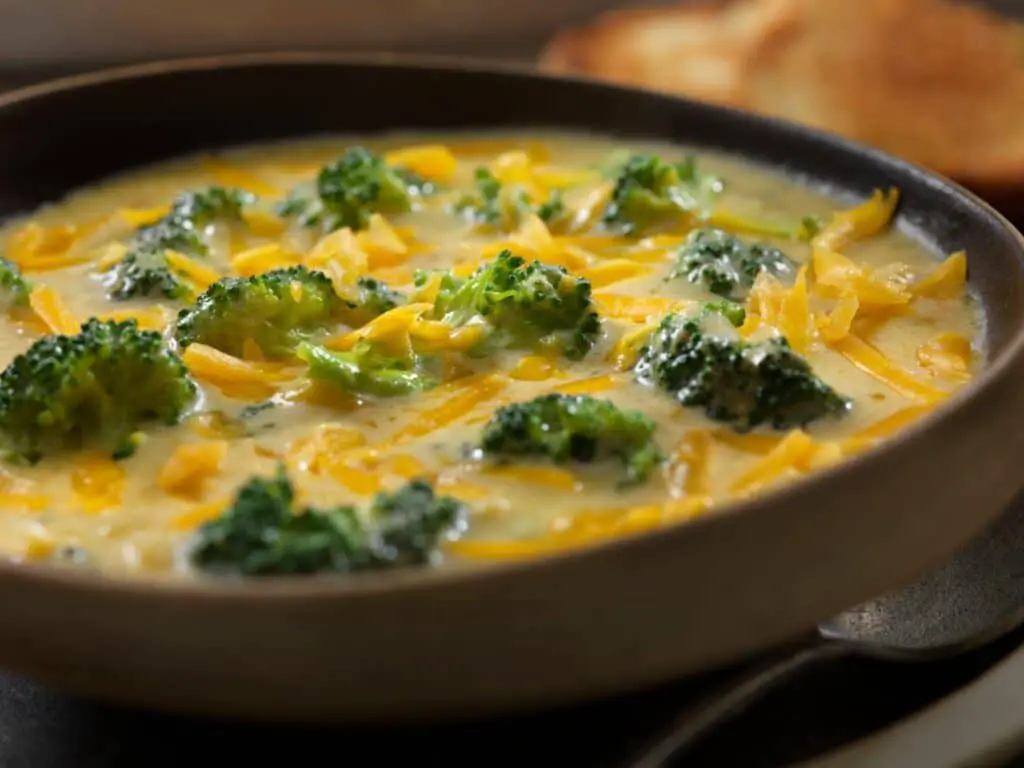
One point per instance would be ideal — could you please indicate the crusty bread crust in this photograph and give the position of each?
(938, 82)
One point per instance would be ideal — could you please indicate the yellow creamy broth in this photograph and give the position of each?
(145, 533)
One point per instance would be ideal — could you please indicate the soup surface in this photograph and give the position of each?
(364, 394)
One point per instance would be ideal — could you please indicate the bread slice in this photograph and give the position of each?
(938, 82)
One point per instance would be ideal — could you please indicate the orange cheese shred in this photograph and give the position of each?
(49, 306)
(190, 466)
(263, 258)
(870, 360)
(948, 355)
(148, 318)
(946, 282)
(473, 392)
(431, 161)
(639, 310)
(614, 271)
(891, 424)
(97, 482)
(549, 477)
(584, 529)
(533, 368)
(198, 274)
(244, 379)
(795, 321)
(838, 323)
(793, 449)
(860, 222)
(203, 513)
(589, 386)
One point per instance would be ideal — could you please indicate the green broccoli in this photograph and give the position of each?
(552, 209)
(726, 264)
(363, 370)
(371, 298)
(730, 310)
(493, 204)
(275, 309)
(143, 270)
(809, 227)
(96, 387)
(262, 533)
(574, 427)
(703, 363)
(350, 189)
(650, 191)
(524, 304)
(14, 288)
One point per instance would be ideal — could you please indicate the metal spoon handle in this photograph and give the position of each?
(732, 698)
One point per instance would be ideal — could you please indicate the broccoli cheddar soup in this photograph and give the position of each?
(341, 354)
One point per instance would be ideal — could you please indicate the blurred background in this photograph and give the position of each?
(47, 36)
(938, 82)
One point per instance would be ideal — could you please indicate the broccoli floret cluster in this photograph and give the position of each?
(350, 189)
(650, 191)
(703, 364)
(574, 428)
(493, 204)
(364, 370)
(14, 288)
(262, 533)
(276, 309)
(96, 387)
(143, 270)
(726, 264)
(525, 305)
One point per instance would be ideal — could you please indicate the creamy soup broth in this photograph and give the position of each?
(126, 516)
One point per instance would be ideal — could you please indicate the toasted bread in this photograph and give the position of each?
(937, 82)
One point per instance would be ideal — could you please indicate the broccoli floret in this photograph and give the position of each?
(350, 189)
(650, 191)
(372, 298)
(524, 304)
(262, 533)
(493, 204)
(363, 370)
(14, 289)
(483, 204)
(730, 310)
(553, 208)
(809, 227)
(275, 309)
(703, 364)
(726, 264)
(576, 428)
(96, 387)
(143, 270)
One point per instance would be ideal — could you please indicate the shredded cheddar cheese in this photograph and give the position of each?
(190, 465)
(97, 482)
(51, 309)
(431, 161)
(874, 363)
(417, 399)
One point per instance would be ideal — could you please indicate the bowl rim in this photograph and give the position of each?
(412, 580)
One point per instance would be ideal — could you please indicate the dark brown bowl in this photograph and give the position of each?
(612, 618)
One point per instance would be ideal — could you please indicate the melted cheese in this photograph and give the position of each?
(878, 317)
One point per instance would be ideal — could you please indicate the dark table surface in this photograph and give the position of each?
(829, 705)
